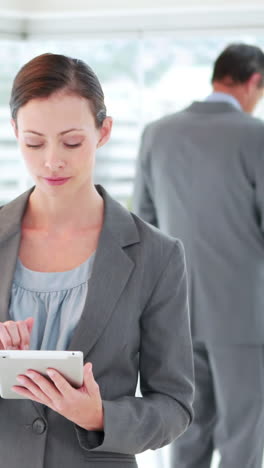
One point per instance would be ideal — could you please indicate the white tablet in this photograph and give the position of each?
(13, 362)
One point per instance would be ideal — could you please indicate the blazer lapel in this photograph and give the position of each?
(111, 271)
(10, 233)
(8, 257)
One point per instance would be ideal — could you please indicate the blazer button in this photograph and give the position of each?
(39, 426)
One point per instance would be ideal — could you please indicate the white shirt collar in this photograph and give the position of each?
(223, 97)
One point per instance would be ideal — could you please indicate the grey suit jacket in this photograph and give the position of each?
(135, 319)
(200, 177)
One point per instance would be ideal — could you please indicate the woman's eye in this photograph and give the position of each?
(33, 146)
(75, 145)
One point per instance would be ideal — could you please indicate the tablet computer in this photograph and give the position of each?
(14, 362)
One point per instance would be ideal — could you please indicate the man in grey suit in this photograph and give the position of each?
(200, 177)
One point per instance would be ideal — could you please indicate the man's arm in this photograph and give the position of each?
(143, 203)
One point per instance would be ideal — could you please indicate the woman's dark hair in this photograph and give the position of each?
(47, 74)
(239, 62)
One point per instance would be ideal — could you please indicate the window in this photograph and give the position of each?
(143, 76)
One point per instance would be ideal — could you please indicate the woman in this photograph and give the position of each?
(78, 271)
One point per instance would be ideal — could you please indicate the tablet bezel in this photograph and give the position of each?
(15, 362)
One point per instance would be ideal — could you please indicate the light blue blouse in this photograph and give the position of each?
(54, 300)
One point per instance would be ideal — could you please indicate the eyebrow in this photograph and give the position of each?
(61, 133)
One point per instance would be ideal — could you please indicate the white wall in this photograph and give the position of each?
(92, 5)
(10, 5)
(67, 5)
(45, 18)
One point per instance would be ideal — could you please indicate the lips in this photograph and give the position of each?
(56, 180)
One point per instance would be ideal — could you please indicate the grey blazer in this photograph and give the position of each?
(135, 319)
(200, 178)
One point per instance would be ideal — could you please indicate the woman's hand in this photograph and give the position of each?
(82, 406)
(16, 335)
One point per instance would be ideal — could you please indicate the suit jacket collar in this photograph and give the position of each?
(111, 271)
(116, 218)
(211, 107)
(11, 215)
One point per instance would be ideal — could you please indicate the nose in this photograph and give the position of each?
(53, 163)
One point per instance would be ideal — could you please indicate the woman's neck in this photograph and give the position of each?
(80, 212)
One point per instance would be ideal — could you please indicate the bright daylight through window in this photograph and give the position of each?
(143, 78)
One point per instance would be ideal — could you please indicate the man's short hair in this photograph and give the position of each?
(239, 62)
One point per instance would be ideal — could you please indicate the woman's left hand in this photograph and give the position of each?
(83, 406)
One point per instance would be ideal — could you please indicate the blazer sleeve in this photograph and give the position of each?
(135, 424)
(259, 185)
(143, 203)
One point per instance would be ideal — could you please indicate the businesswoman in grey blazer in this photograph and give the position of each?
(78, 271)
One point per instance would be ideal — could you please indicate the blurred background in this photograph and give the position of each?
(152, 58)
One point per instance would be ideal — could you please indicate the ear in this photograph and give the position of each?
(105, 131)
(14, 125)
(254, 80)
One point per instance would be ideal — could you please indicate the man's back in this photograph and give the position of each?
(202, 179)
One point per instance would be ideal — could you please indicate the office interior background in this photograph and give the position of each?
(153, 57)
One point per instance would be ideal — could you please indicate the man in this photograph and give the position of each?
(200, 177)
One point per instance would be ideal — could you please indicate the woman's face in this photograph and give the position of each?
(58, 139)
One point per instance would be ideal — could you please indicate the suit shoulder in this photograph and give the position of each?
(164, 127)
(154, 242)
(155, 254)
(251, 130)
(250, 120)
(165, 121)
